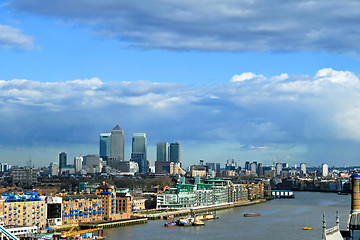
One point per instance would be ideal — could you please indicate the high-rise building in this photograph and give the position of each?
(303, 168)
(174, 152)
(278, 169)
(139, 151)
(162, 152)
(62, 159)
(325, 170)
(247, 165)
(117, 143)
(78, 163)
(4, 167)
(230, 165)
(285, 165)
(92, 163)
(253, 167)
(54, 169)
(105, 145)
(139, 142)
(260, 171)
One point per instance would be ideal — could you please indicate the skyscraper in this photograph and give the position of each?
(325, 170)
(260, 170)
(174, 152)
(105, 145)
(162, 152)
(117, 143)
(62, 159)
(247, 165)
(303, 168)
(78, 161)
(139, 151)
(253, 167)
(278, 169)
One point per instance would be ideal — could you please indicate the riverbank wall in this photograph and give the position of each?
(113, 224)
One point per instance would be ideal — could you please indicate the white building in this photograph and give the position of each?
(325, 170)
(78, 163)
(303, 168)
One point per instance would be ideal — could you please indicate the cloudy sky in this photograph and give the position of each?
(252, 80)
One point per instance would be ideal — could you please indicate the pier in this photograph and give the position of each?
(114, 223)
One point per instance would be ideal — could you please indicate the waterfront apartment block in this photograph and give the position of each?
(255, 190)
(219, 190)
(138, 204)
(237, 192)
(27, 209)
(192, 195)
(212, 191)
(116, 204)
(81, 208)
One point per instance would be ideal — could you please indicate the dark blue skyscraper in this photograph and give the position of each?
(62, 159)
(104, 150)
(174, 152)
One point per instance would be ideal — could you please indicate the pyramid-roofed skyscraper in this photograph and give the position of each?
(117, 148)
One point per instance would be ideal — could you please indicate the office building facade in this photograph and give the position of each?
(104, 146)
(139, 151)
(62, 159)
(162, 152)
(117, 143)
(78, 161)
(174, 152)
(324, 170)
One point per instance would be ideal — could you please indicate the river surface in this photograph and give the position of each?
(280, 219)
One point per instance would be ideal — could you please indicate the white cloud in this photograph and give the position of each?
(340, 77)
(245, 76)
(324, 79)
(12, 38)
(281, 77)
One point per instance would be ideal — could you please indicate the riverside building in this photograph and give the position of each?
(27, 209)
(116, 204)
(192, 195)
(81, 208)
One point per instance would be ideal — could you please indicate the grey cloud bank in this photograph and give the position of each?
(306, 118)
(248, 25)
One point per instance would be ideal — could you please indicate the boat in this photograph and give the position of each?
(205, 216)
(252, 214)
(343, 193)
(307, 228)
(198, 223)
(170, 224)
(187, 221)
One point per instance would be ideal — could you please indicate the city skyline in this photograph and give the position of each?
(241, 80)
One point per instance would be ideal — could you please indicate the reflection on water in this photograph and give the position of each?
(280, 219)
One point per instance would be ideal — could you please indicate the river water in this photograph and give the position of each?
(280, 219)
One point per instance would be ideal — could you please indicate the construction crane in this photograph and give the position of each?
(68, 232)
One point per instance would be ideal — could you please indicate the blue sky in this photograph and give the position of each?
(227, 79)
